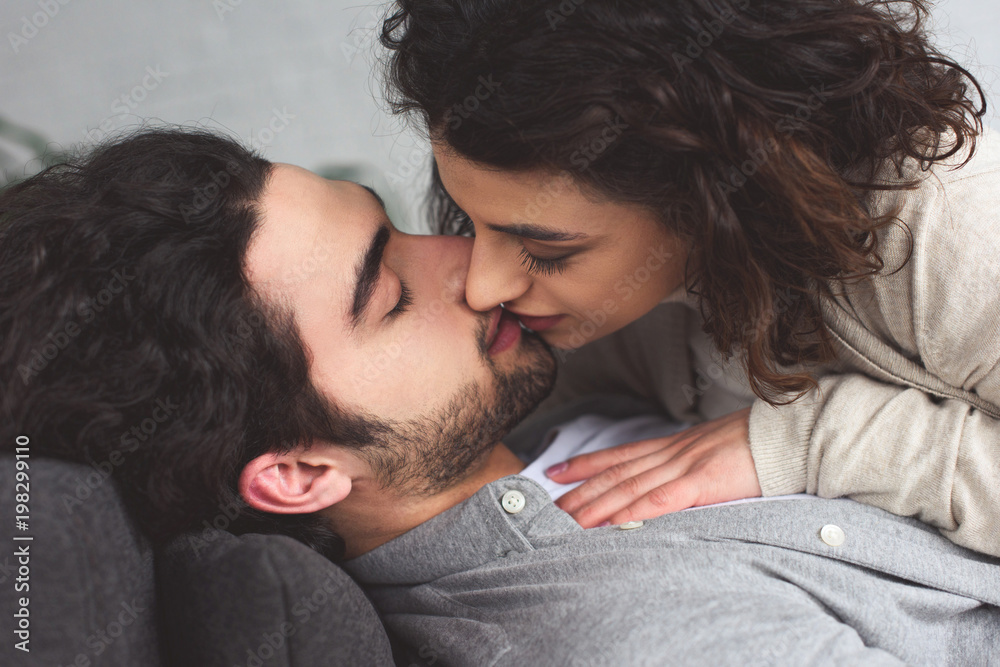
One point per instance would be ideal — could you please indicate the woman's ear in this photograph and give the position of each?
(286, 484)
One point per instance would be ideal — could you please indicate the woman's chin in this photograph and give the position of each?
(571, 335)
(567, 340)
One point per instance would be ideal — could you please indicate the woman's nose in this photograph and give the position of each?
(493, 279)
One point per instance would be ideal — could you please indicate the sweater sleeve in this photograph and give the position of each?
(893, 447)
(874, 431)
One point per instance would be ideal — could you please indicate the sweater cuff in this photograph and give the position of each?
(779, 444)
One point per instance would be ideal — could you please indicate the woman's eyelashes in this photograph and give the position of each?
(539, 265)
(405, 301)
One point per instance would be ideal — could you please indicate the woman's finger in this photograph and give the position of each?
(594, 506)
(674, 496)
(586, 466)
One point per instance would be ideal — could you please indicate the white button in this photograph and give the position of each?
(832, 535)
(631, 525)
(513, 502)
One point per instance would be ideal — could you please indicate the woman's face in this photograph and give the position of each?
(571, 267)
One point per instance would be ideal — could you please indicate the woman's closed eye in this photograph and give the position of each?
(544, 266)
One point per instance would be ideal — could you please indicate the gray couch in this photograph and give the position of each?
(101, 595)
(209, 598)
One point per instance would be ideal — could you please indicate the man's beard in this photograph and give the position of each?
(427, 455)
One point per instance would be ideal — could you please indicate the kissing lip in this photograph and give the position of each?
(494, 325)
(507, 334)
(537, 323)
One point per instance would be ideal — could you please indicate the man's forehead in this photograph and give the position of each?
(311, 232)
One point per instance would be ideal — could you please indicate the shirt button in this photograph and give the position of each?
(832, 535)
(630, 525)
(512, 502)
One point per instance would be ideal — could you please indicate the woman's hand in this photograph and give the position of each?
(705, 464)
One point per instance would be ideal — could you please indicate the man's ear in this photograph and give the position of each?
(287, 484)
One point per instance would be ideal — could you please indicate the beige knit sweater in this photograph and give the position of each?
(909, 418)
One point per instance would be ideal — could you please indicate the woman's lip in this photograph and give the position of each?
(506, 335)
(537, 324)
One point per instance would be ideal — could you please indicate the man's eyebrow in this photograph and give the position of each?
(536, 233)
(378, 198)
(368, 271)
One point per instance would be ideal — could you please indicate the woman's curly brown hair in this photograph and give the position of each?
(755, 130)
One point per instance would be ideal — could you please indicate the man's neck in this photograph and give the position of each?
(369, 517)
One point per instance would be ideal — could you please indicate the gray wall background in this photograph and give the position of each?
(294, 78)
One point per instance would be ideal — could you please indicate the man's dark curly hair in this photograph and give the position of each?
(754, 129)
(132, 340)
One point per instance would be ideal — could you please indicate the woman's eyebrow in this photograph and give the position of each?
(536, 233)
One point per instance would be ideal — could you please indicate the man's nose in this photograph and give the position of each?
(446, 261)
(493, 279)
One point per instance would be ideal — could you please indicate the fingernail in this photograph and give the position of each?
(603, 524)
(556, 469)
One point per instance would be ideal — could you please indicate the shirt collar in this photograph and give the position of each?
(466, 536)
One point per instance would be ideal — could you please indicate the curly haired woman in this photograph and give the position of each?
(777, 218)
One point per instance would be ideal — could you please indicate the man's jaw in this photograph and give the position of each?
(372, 515)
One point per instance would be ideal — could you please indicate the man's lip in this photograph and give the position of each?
(536, 323)
(494, 325)
(507, 334)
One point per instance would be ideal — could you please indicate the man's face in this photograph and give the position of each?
(384, 320)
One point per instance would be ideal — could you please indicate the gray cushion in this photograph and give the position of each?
(92, 591)
(263, 600)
